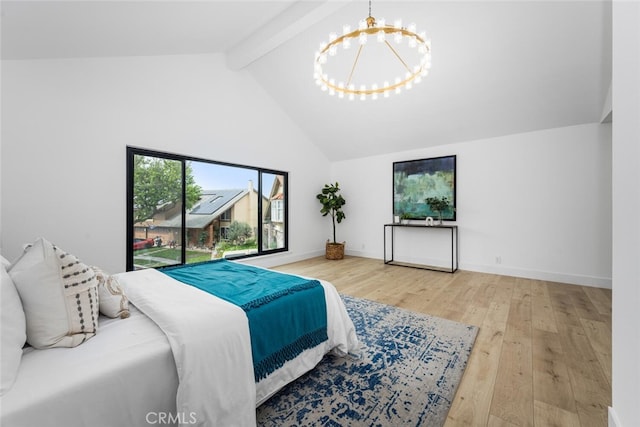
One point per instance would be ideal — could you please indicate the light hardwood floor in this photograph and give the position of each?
(543, 353)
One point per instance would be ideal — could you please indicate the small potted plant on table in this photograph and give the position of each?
(438, 204)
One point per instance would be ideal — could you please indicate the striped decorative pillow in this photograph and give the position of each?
(59, 295)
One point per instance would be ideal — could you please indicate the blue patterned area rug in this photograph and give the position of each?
(408, 374)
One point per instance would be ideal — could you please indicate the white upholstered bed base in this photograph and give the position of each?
(116, 378)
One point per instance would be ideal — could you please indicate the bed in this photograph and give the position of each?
(182, 357)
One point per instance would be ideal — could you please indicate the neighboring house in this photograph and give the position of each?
(208, 221)
(274, 216)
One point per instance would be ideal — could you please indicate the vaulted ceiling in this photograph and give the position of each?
(499, 67)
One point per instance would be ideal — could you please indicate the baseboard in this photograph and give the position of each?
(361, 254)
(444, 263)
(574, 279)
(281, 258)
(613, 418)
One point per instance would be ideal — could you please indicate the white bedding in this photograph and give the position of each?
(214, 357)
(211, 347)
(132, 372)
(116, 378)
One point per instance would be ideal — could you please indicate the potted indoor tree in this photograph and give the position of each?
(438, 204)
(332, 203)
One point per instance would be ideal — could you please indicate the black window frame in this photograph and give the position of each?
(133, 151)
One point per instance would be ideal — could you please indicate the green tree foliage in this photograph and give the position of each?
(238, 232)
(204, 237)
(437, 204)
(158, 182)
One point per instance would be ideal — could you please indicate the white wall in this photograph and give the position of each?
(626, 214)
(66, 123)
(540, 201)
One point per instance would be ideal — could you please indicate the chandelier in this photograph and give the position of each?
(411, 72)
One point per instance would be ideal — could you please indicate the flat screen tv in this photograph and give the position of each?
(416, 180)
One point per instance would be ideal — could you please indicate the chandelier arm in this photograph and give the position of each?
(355, 62)
(370, 31)
(397, 56)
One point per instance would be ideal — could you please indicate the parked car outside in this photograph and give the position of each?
(142, 244)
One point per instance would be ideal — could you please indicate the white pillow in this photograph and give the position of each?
(113, 301)
(59, 295)
(12, 332)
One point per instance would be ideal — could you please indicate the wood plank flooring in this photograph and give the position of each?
(543, 353)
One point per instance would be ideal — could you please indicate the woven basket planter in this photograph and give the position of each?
(334, 250)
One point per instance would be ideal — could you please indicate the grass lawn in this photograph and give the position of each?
(159, 257)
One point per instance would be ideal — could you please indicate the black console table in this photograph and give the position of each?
(454, 245)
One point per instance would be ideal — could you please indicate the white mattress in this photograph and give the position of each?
(120, 377)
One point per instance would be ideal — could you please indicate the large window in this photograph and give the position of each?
(183, 210)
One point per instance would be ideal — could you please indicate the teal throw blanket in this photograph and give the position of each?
(287, 314)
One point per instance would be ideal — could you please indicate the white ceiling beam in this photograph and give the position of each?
(299, 16)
